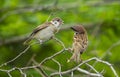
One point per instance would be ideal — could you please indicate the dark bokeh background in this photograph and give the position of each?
(101, 18)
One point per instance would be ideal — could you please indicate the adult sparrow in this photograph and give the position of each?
(80, 42)
(45, 31)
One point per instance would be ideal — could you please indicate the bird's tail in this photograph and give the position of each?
(27, 41)
(75, 57)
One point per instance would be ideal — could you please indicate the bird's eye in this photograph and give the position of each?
(58, 20)
(76, 32)
(55, 22)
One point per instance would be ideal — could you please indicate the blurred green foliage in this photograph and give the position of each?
(20, 17)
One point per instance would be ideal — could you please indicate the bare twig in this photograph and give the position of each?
(107, 63)
(75, 68)
(88, 73)
(31, 59)
(58, 65)
(43, 61)
(12, 69)
(92, 68)
(9, 74)
(26, 49)
(72, 74)
(49, 16)
(107, 52)
(45, 67)
(60, 42)
(22, 73)
(39, 69)
(60, 73)
(41, 73)
(4, 64)
(71, 70)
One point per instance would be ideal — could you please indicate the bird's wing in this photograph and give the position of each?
(40, 27)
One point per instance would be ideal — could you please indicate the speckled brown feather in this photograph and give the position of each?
(80, 41)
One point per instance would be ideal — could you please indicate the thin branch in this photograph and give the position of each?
(92, 68)
(107, 52)
(75, 68)
(4, 64)
(45, 67)
(59, 72)
(46, 59)
(107, 63)
(22, 73)
(71, 70)
(72, 74)
(88, 73)
(31, 59)
(8, 71)
(9, 74)
(39, 69)
(60, 42)
(24, 51)
(49, 16)
(12, 69)
(41, 73)
(58, 65)
(43, 61)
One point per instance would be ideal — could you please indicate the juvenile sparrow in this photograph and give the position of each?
(45, 31)
(80, 41)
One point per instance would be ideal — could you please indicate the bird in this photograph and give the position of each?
(80, 42)
(45, 31)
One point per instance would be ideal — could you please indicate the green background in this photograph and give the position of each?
(101, 18)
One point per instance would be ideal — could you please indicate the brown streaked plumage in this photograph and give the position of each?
(45, 31)
(80, 42)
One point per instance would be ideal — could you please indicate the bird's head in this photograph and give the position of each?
(78, 29)
(57, 21)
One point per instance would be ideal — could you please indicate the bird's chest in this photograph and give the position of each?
(45, 34)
